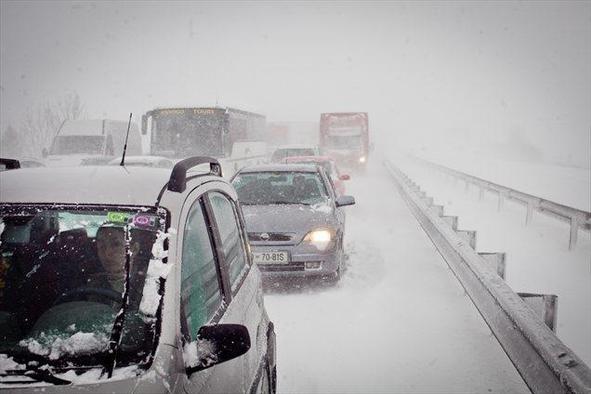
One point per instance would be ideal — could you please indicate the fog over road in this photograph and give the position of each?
(397, 322)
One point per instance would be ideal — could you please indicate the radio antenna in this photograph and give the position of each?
(125, 146)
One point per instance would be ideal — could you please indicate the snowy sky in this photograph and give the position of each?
(426, 72)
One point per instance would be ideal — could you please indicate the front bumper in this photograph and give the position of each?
(304, 261)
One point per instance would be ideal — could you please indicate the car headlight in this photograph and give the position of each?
(362, 159)
(320, 238)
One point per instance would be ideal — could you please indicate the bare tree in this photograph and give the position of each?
(10, 142)
(42, 123)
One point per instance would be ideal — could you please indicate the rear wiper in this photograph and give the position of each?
(38, 374)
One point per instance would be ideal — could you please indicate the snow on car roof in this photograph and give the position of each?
(280, 168)
(308, 159)
(83, 185)
(296, 146)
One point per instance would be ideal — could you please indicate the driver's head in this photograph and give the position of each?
(110, 244)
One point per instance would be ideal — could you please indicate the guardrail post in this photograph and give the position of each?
(452, 221)
(544, 305)
(500, 202)
(468, 235)
(481, 193)
(438, 209)
(497, 260)
(574, 232)
(530, 212)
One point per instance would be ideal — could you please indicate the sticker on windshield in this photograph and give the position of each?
(139, 220)
(142, 220)
(118, 217)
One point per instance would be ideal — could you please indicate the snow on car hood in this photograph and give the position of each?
(287, 218)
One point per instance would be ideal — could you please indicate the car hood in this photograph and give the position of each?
(287, 218)
(67, 160)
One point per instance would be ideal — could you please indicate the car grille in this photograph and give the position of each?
(272, 237)
(298, 266)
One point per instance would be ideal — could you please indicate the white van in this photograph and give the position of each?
(98, 140)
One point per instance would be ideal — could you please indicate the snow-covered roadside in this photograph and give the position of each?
(538, 259)
(397, 322)
(564, 185)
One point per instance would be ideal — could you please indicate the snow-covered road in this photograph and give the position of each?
(397, 322)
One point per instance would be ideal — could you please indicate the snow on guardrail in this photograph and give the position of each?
(578, 218)
(545, 363)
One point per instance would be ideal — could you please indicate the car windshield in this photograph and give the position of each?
(263, 188)
(62, 282)
(343, 141)
(74, 144)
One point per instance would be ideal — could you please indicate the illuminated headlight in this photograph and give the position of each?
(362, 159)
(320, 238)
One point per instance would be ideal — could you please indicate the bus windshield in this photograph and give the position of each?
(186, 134)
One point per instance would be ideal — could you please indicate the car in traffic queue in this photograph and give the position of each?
(284, 151)
(294, 219)
(129, 279)
(336, 178)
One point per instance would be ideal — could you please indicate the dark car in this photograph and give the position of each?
(129, 279)
(295, 222)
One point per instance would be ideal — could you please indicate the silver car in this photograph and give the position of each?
(294, 219)
(134, 279)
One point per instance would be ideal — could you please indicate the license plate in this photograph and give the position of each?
(270, 257)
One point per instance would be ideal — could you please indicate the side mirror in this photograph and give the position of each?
(344, 177)
(44, 153)
(217, 344)
(343, 201)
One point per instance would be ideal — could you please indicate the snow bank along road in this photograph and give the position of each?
(538, 257)
(397, 322)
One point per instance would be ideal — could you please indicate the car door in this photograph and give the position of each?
(244, 282)
(204, 293)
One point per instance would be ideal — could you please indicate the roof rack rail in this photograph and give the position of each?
(178, 177)
(10, 164)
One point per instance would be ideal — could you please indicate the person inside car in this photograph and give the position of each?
(110, 249)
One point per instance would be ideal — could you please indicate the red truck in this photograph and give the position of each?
(344, 137)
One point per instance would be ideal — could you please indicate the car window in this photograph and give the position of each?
(201, 294)
(233, 244)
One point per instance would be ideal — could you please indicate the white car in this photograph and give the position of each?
(144, 161)
(129, 279)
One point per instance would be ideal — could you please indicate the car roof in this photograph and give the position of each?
(296, 146)
(280, 168)
(315, 159)
(83, 185)
(147, 159)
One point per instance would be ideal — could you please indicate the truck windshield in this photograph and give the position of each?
(62, 282)
(348, 142)
(75, 144)
(188, 134)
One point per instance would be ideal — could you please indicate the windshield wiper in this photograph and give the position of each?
(116, 332)
(38, 374)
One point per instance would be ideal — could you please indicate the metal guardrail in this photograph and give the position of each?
(545, 363)
(577, 218)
